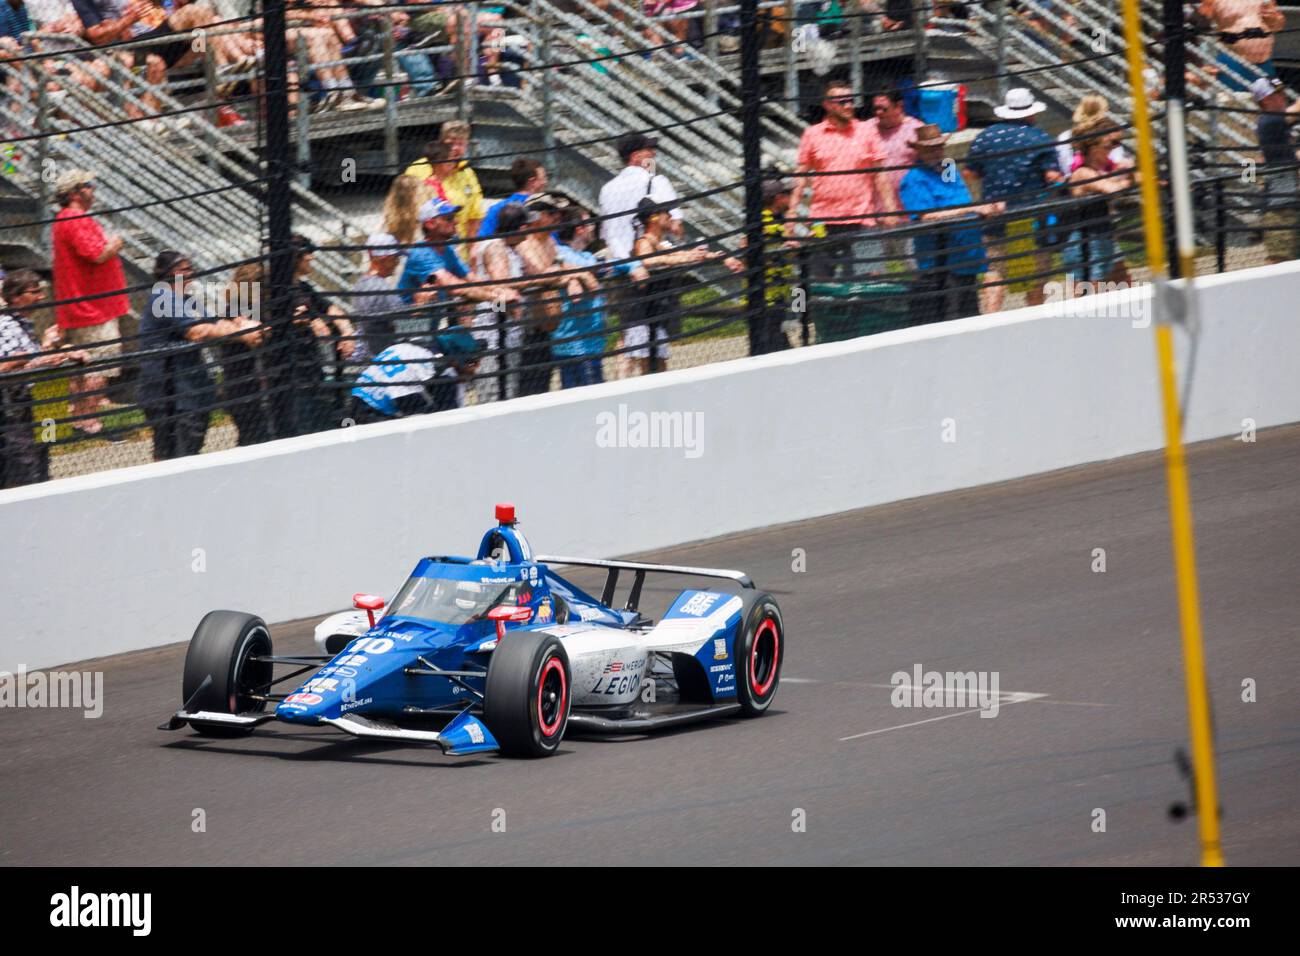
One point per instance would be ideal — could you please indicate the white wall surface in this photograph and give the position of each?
(105, 563)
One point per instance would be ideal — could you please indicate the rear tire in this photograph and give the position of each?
(528, 694)
(759, 652)
(221, 647)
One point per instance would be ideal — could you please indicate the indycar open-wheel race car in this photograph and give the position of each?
(496, 652)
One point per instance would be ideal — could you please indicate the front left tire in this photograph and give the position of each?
(528, 694)
(222, 648)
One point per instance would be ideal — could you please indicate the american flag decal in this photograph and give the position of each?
(614, 668)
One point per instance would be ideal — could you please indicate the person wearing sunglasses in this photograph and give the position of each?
(839, 161)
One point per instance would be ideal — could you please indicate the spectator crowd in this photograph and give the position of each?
(461, 300)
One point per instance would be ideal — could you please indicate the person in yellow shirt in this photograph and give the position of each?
(447, 175)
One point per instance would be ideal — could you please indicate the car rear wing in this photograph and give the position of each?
(641, 570)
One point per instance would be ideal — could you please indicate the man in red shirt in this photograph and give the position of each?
(851, 201)
(87, 267)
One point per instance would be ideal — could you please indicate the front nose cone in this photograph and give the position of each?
(302, 708)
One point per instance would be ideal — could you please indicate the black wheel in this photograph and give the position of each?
(759, 651)
(221, 647)
(528, 694)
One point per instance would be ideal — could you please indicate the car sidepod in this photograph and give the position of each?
(699, 632)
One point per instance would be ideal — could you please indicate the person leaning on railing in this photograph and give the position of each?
(495, 324)
(1091, 253)
(1281, 219)
(654, 315)
(317, 327)
(579, 340)
(545, 306)
(24, 458)
(243, 383)
(176, 388)
(950, 259)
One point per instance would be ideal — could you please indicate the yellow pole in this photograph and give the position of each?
(1180, 500)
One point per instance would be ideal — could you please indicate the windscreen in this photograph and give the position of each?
(452, 601)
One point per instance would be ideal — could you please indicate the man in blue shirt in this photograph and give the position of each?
(1017, 163)
(529, 177)
(949, 259)
(436, 273)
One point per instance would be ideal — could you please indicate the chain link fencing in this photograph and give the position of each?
(212, 236)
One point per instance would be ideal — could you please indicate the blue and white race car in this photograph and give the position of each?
(497, 653)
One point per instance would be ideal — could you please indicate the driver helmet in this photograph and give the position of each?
(468, 595)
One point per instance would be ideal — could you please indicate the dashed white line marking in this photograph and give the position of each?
(915, 723)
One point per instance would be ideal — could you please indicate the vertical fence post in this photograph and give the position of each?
(793, 35)
(548, 97)
(279, 179)
(42, 144)
(1220, 227)
(751, 137)
(921, 53)
(1000, 38)
(855, 52)
(303, 115)
(1175, 67)
(711, 43)
(210, 81)
(391, 154)
(468, 42)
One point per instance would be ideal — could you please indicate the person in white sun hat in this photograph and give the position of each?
(1017, 164)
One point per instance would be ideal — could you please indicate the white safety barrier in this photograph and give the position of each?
(132, 558)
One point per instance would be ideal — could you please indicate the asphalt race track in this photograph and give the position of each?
(997, 579)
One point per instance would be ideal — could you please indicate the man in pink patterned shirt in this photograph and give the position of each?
(850, 203)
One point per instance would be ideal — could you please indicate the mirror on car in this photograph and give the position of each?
(370, 603)
(516, 613)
